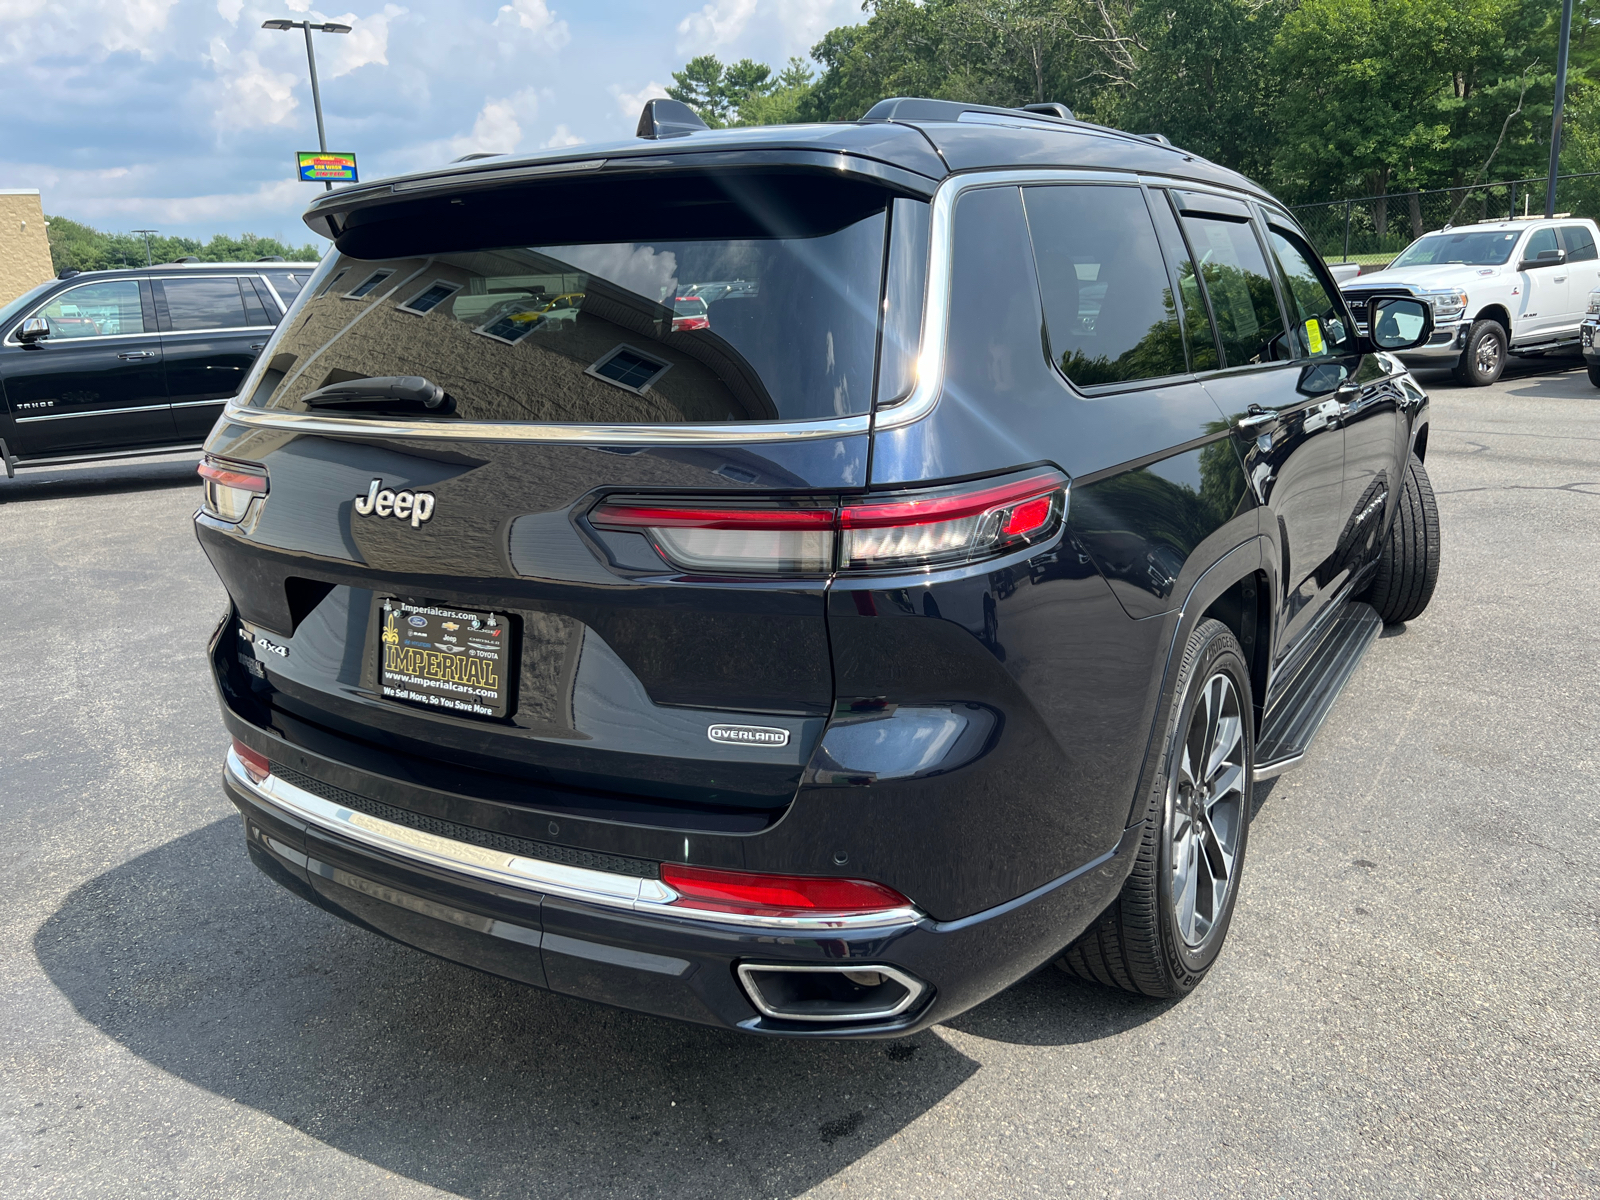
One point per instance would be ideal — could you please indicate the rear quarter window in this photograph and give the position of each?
(1108, 305)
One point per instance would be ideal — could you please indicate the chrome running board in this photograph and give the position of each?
(1298, 706)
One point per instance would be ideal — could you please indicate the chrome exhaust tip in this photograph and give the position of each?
(828, 993)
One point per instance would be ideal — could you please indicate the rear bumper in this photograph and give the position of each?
(1589, 339)
(608, 934)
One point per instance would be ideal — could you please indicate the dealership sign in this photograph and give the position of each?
(319, 165)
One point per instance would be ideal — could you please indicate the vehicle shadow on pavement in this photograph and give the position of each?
(44, 484)
(202, 967)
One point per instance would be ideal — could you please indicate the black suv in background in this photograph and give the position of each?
(918, 609)
(102, 363)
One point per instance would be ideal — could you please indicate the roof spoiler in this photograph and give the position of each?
(663, 118)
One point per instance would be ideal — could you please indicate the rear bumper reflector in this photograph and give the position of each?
(625, 892)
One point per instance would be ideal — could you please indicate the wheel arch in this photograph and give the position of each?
(1496, 313)
(1236, 590)
(1419, 444)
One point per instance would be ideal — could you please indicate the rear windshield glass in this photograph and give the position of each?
(1485, 248)
(657, 330)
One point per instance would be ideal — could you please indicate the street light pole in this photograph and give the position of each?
(1555, 117)
(149, 261)
(311, 58)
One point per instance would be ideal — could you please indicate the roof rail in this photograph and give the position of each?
(271, 258)
(914, 108)
(187, 258)
(477, 154)
(663, 118)
(1159, 138)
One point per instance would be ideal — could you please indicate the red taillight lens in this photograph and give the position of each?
(255, 764)
(951, 526)
(730, 539)
(684, 324)
(230, 487)
(906, 531)
(776, 895)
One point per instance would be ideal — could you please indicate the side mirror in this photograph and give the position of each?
(33, 329)
(1399, 322)
(1545, 258)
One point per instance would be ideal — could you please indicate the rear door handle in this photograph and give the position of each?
(259, 346)
(1256, 416)
(137, 354)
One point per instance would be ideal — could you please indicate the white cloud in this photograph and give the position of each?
(498, 129)
(367, 41)
(534, 15)
(41, 28)
(715, 25)
(560, 138)
(767, 30)
(630, 103)
(229, 10)
(246, 94)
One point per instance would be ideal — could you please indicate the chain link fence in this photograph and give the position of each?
(1373, 229)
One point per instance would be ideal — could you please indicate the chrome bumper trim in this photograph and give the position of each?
(527, 874)
(748, 970)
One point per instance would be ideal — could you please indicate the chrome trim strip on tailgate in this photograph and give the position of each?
(522, 431)
(512, 870)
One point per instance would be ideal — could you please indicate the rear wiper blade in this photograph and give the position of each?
(385, 394)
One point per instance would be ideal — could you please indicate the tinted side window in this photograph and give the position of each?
(95, 310)
(288, 283)
(1580, 243)
(210, 303)
(1318, 325)
(1240, 287)
(1108, 309)
(1538, 243)
(257, 307)
(1191, 304)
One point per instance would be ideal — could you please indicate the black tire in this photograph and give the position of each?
(1594, 374)
(1140, 942)
(1485, 355)
(1408, 564)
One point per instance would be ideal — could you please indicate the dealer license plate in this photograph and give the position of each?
(451, 659)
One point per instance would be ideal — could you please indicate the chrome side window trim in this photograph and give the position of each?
(922, 398)
(519, 431)
(99, 412)
(528, 874)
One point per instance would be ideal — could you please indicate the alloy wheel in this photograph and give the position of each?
(1205, 811)
(1488, 355)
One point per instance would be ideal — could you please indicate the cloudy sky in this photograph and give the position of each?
(184, 115)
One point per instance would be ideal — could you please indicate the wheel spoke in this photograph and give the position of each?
(1229, 733)
(1184, 900)
(1229, 781)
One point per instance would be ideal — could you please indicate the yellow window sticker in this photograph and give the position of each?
(1314, 335)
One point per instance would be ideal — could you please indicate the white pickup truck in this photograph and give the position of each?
(1497, 288)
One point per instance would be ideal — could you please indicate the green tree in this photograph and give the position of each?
(84, 248)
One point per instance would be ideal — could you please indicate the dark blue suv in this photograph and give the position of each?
(804, 579)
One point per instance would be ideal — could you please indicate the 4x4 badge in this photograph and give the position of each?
(380, 501)
(748, 735)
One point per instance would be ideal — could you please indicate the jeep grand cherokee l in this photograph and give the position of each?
(924, 615)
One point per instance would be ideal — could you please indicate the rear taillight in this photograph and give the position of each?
(952, 526)
(887, 532)
(230, 487)
(725, 539)
(254, 763)
(747, 892)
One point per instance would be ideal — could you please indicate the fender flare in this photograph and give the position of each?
(1243, 560)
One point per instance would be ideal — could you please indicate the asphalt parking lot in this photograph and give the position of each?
(1409, 1004)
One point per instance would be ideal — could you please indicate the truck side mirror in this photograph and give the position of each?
(1545, 258)
(1399, 322)
(33, 329)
